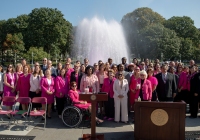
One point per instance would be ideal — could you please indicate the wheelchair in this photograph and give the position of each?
(72, 116)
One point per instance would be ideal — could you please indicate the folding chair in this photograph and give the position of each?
(7, 112)
(23, 113)
(41, 100)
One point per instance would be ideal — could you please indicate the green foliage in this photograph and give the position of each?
(137, 20)
(47, 27)
(38, 54)
(157, 39)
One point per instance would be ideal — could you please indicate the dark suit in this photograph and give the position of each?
(43, 68)
(73, 78)
(193, 100)
(166, 89)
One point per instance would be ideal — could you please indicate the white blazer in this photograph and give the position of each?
(120, 91)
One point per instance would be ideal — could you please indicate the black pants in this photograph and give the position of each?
(154, 96)
(193, 105)
(183, 95)
(109, 108)
(60, 104)
(32, 95)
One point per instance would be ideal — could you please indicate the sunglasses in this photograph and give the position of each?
(142, 64)
(119, 74)
(44, 60)
(74, 86)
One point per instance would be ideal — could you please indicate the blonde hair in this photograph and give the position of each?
(19, 65)
(143, 72)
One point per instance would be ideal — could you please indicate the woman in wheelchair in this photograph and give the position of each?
(74, 96)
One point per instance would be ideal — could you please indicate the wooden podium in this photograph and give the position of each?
(159, 121)
(93, 98)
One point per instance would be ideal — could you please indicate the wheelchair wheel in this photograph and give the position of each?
(71, 116)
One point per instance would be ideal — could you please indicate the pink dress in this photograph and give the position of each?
(45, 86)
(74, 96)
(23, 85)
(12, 80)
(133, 84)
(61, 87)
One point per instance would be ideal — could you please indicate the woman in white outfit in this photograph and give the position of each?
(121, 89)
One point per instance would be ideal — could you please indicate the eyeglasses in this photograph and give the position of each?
(74, 86)
(141, 74)
(10, 67)
(142, 64)
(119, 74)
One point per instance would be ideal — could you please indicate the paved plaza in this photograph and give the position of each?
(55, 129)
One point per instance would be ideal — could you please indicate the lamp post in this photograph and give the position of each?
(15, 58)
(32, 59)
(56, 59)
(161, 55)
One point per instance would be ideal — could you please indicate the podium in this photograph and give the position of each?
(93, 98)
(159, 121)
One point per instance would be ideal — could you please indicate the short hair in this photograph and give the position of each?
(87, 68)
(72, 83)
(150, 69)
(143, 72)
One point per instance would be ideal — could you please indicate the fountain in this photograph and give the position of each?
(97, 39)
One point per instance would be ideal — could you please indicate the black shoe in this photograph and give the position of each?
(49, 117)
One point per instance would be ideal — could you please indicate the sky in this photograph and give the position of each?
(76, 10)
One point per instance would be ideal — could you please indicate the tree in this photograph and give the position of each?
(184, 27)
(156, 39)
(47, 27)
(38, 54)
(135, 21)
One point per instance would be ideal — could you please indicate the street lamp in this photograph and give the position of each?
(32, 59)
(161, 56)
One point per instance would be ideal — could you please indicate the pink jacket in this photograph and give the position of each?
(45, 86)
(183, 81)
(147, 90)
(68, 74)
(108, 87)
(61, 87)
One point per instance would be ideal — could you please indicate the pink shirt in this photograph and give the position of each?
(153, 80)
(61, 87)
(91, 82)
(183, 81)
(108, 86)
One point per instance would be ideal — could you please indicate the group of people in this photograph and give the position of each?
(124, 83)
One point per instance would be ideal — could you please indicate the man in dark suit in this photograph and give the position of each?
(167, 87)
(44, 65)
(76, 74)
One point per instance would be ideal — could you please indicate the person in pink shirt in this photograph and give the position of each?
(68, 70)
(182, 85)
(61, 90)
(10, 82)
(108, 87)
(48, 89)
(156, 69)
(101, 75)
(96, 68)
(146, 88)
(74, 96)
(89, 80)
(23, 84)
(19, 69)
(154, 83)
(134, 87)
